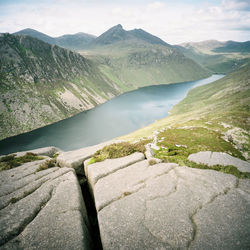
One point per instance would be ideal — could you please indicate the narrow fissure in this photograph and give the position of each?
(92, 214)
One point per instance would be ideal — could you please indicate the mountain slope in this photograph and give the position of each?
(232, 46)
(213, 117)
(77, 41)
(219, 57)
(136, 58)
(42, 83)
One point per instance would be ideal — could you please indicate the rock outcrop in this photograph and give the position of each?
(166, 206)
(42, 209)
(139, 206)
(219, 158)
(74, 159)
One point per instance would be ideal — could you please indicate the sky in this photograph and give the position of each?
(174, 21)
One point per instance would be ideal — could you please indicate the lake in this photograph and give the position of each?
(119, 116)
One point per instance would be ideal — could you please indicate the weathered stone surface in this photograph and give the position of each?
(213, 158)
(42, 210)
(74, 159)
(166, 206)
(98, 170)
(47, 151)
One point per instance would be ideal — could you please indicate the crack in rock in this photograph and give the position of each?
(134, 189)
(213, 198)
(28, 183)
(123, 195)
(11, 233)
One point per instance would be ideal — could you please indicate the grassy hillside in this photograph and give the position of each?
(42, 83)
(218, 57)
(136, 58)
(135, 66)
(212, 117)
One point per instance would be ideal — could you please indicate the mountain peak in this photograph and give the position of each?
(36, 34)
(114, 34)
(118, 26)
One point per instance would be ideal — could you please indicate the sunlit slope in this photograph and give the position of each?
(213, 116)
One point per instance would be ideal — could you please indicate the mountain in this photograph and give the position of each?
(136, 58)
(232, 46)
(42, 83)
(218, 57)
(114, 34)
(147, 37)
(36, 34)
(76, 41)
(118, 34)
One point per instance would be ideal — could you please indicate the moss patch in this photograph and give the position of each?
(11, 161)
(118, 150)
(178, 144)
(47, 164)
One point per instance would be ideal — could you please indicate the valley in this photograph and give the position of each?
(42, 83)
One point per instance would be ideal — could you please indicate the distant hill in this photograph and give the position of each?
(36, 34)
(76, 41)
(118, 34)
(137, 58)
(231, 46)
(219, 57)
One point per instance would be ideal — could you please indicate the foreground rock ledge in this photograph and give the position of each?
(166, 206)
(42, 210)
(139, 206)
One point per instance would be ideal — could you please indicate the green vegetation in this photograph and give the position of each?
(137, 64)
(178, 144)
(214, 117)
(193, 140)
(34, 75)
(47, 164)
(11, 161)
(118, 150)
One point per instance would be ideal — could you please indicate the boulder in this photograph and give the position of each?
(42, 210)
(218, 158)
(98, 170)
(74, 159)
(47, 151)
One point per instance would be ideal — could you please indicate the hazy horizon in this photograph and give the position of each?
(178, 22)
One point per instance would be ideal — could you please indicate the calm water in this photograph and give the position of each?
(116, 117)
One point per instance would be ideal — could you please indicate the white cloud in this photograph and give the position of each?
(155, 5)
(236, 4)
(173, 22)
